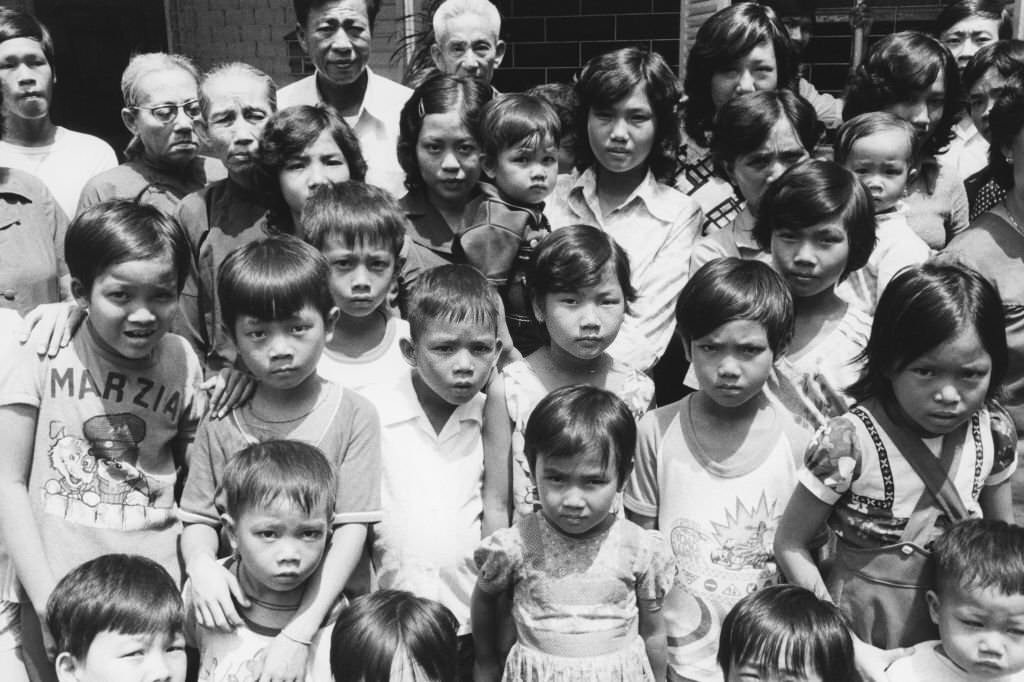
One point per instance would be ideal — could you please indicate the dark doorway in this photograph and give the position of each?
(93, 40)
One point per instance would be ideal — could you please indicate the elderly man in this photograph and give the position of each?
(336, 35)
(467, 44)
(63, 159)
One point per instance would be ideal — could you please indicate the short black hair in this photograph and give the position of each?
(574, 420)
(274, 471)
(122, 593)
(452, 294)
(574, 257)
(518, 119)
(812, 192)
(980, 554)
(1005, 56)
(728, 289)
(120, 230)
(272, 279)
(17, 24)
(354, 214)
(745, 122)
(956, 11)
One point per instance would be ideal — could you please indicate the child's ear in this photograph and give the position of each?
(488, 164)
(67, 667)
(933, 605)
(911, 178)
(408, 349)
(230, 529)
(332, 319)
(80, 292)
(128, 118)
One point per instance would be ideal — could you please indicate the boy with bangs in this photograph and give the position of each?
(978, 604)
(438, 493)
(277, 307)
(520, 136)
(279, 499)
(117, 618)
(715, 470)
(360, 230)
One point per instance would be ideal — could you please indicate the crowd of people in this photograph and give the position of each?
(635, 378)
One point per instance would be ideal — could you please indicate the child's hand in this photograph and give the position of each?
(213, 587)
(284, 660)
(50, 326)
(228, 389)
(872, 662)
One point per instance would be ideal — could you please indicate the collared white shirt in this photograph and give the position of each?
(431, 496)
(375, 126)
(968, 151)
(657, 227)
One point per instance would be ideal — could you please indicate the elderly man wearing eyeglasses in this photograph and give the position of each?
(63, 159)
(161, 110)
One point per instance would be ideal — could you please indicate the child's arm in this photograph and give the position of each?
(486, 617)
(997, 502)
(497, 439)
(212, 585)
(652, 629)
(18, 527)
(804, 516)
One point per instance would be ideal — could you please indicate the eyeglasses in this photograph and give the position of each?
(165, 113)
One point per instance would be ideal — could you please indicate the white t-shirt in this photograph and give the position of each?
(64, 166)
(929, 664)
(380, 366)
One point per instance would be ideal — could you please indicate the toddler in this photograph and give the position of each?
(714, 471)
(562, 97)
(279, 499)
(519, 135)
(977, 601)
(587, 586)
(881, 150)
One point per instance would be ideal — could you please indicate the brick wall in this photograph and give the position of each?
(261, 32)
(550, 39)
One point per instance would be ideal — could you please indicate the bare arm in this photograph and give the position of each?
(652, 629)
(212, 586)
(486, 617)
(804, 516)
(997, 502)
(497, 441)
(645, 522)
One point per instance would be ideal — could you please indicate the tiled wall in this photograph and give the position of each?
(550, 39)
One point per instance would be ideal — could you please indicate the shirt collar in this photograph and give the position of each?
(743, 230)
(656, 197)
(492, 191)
(374, 103)
(405, 406)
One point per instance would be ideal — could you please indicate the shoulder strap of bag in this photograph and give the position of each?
(933, 471)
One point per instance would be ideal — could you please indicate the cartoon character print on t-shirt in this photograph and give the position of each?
(97, 481)
(735, 559)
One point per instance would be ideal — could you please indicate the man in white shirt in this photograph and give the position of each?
(336, 35)
(467, 44)
(63, 159)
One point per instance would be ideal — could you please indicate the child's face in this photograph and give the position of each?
(982, 629)
(525, 175)
(882, 164)
(282, 354)
(923, 109)
(131, 304)
(279, 546)
(942, 388)
(471, 48)
(26, 83)
(576, 494)
(361, 277)
(119, 657)
(756, 70)
(172, 141)
(453, 359)
(732, 362)
(982, 95)
(622, 135)
(321, 163)
(811, 259)
(584, 323)
(752, 172)
(448, 158)
(237, 114)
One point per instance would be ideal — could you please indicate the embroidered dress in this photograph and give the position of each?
(575, 600)
(524, 389)
(716, 196)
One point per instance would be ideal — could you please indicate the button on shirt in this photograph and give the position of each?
(375, 126)
(430, 493)
(657, 227)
